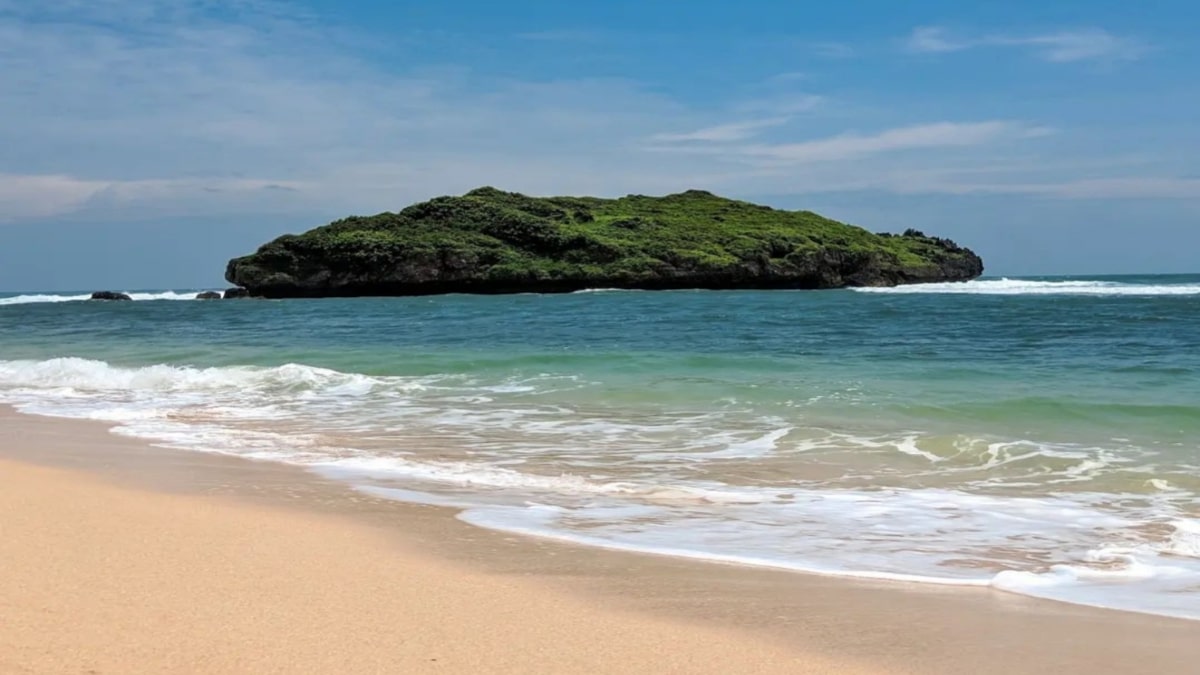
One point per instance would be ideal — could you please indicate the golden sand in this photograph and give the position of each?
(117, 557)
(101, 579)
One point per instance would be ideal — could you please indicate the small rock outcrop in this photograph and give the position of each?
(208, 295)
(489, 241)
(110, 295)
(236, 293)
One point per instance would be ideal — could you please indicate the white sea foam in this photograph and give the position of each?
(909, 446)
(723, 445)
(1031, 287)
(27, 299)
(86, 375)
(1185, 540)
(54, 297)
(490, 477)
(754, 447)
(658, 482)
(1159, 578)
(537, 521)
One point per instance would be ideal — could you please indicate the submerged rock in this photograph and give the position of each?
(236, 293)
(208, 295)
(489, 241)
(110, 295)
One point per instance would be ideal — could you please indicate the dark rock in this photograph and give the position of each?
(208, 295)
(236, 293)
(110, 295)
(490, 241)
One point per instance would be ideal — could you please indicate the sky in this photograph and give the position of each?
(145, 142)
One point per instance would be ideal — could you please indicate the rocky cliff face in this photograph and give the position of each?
(489, 241)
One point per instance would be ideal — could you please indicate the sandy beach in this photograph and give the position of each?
(119, 557)
(98, 579)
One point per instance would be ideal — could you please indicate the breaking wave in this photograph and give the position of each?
(56, 297)
(1030, 287)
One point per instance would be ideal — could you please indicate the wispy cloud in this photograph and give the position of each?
(1125, 187)
(23, 196)
(934, 40)
(781, 105)
(833, 50)
(37, 196)
(790, 76)
(856, 146)
(1026, 179)
(723, 133)
(1082, 45)
(938, 135)
(1059, 47)
(122, 98)
(560, 35)
(186, 107)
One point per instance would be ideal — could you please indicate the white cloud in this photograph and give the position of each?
(560, 35)
(733, 131)
(999, 180)
(790, 76)
(141, 100)
(1060, 47)
(1129, 187)
(183, 107)
(855, 146)
(38, 196)
(833, 50)
(1082, 45)
(781, 105)
(933, 40)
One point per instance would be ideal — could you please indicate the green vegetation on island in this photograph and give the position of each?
(490, 241)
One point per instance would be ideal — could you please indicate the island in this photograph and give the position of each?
(491, 241)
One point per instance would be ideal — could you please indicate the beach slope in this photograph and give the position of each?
(102, 579)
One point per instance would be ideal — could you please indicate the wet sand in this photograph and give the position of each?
(119, 557)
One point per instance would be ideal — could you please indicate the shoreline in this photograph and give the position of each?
(112, 579)
(828, 624)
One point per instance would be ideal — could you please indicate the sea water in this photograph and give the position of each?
(1039, 436)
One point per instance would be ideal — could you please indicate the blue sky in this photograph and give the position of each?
(144, 142)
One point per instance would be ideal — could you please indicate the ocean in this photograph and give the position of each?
(1037, 436)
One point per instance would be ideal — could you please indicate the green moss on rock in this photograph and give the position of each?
(490, 241)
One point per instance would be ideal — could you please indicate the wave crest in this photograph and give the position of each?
(35, 298)
(1007, 286)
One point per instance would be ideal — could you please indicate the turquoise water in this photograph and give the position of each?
(1040, 436)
